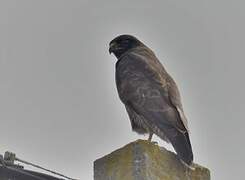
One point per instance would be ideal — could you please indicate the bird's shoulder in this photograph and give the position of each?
(137, 78)
(141, 63)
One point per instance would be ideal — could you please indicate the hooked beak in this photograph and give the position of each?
(113, 47)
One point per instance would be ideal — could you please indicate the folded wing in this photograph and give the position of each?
(155, 97)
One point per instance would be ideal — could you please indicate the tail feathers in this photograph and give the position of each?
(181, 144)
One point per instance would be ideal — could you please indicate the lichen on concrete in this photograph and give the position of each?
(143, 160)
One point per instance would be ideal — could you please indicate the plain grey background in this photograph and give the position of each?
(58, 102)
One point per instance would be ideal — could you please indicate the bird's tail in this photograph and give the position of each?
(182, 145)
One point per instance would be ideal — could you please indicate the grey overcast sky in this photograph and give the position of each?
(58, 102)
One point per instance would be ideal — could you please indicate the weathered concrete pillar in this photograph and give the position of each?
(142, 160)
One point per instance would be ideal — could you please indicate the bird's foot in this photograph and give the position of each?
(150, 138)
(154, 142)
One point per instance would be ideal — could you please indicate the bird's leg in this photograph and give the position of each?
(150, 136)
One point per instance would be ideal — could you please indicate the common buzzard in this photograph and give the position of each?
(150, 95)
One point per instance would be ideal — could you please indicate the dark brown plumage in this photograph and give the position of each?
(150, 95)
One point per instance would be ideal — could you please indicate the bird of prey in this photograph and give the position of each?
(150, 95)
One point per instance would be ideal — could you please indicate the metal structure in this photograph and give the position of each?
(11, 171)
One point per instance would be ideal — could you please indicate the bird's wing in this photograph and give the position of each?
(141, 88)
(137, 121)
(175, 99)
(151, 95)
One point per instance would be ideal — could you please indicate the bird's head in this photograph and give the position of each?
(122, 44)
